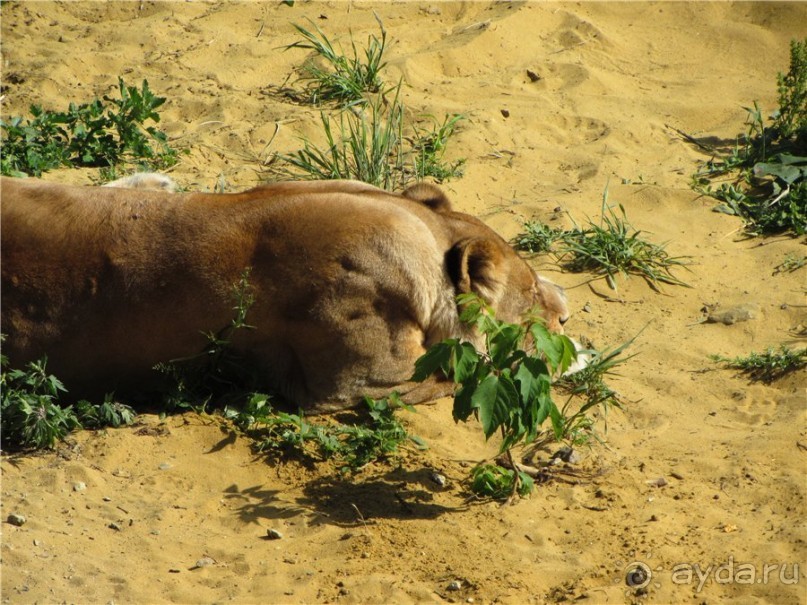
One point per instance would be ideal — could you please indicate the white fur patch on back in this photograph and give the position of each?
(151, 181)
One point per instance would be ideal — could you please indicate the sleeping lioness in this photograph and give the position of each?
(352, 283)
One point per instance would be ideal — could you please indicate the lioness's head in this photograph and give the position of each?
(482, 262)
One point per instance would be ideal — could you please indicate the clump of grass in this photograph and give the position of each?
(345, 79)
(429, 146)
(767, 168)
(102, 133)
(368, 144)
(769, 365)
(607, 248)
(538, 237)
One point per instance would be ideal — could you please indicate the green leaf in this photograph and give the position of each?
(437, 357)
(464, 361)
(503, 343)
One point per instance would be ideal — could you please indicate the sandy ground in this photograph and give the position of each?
(614, 81)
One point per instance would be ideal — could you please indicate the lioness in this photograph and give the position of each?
(351, 283)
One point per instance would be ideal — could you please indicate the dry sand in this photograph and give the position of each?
(615, 80)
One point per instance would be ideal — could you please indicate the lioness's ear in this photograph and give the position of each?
(428, 195)
(474, 265)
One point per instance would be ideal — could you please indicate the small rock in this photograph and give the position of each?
(79, 486)
(567, 454)
(37, 542)
(107, 499)
(505, 113)
(438, 478)
(455, 585)
(273, 534)
(204, 562)
(164, 466)
(660, 482)
(534, 77)
(114, 526)
(729, 317)
(18, 520)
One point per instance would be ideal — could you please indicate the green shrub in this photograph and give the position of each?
(32, 417)
(507, 387)
(768, 165)
(96, 134)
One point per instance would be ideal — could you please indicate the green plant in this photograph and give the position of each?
(369, 144)
(768, 165)
(429, 147)
(790, 264)
(31, 415)
(538, 237)
(351, 446)
(365, 147)
(607, 248)
(345, 79)
(494, 481)
(769, 365)
(613, 246)
(507, 385)
(95, 134)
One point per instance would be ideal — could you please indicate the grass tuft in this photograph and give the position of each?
(607, 248)
(769, 365)
(344, 79)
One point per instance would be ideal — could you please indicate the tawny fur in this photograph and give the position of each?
(352, 283)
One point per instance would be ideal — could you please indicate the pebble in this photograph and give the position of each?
(164, 466)
(114, 526)
(273, 534)
(567, 454)
(455, 585)
(660, 482)
(79, 486)
(107, 499)
(438, 479)
(729, 317)
(18, 520)
(204, 562)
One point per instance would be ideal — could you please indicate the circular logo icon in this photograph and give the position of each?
(638, 575)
